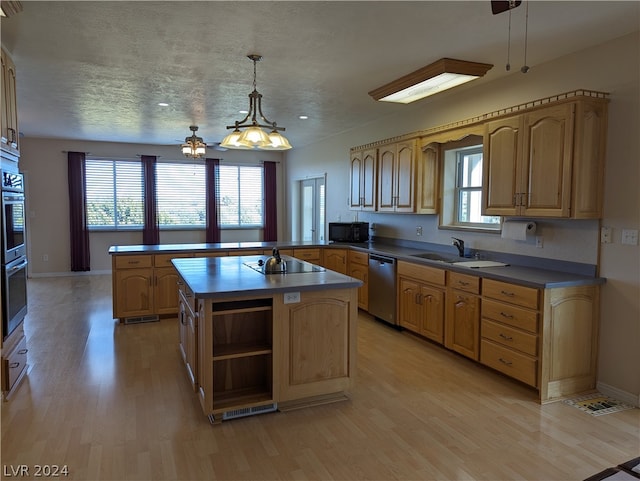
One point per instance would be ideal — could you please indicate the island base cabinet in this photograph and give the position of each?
(317, 346)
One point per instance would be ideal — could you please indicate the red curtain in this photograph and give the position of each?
(213, 228)
(151, 230)
(270, 232)
(79, 231)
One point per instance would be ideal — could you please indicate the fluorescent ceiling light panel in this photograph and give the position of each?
(444, 74)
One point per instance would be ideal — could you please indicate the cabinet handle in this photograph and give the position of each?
(182, 319)
(459, 303)
(23, 351)
(507, 293)
(417, 298)
(463, 283)
(508, 316)
(505, 337)
(133, 262)
(14, 365)
(429, 297)
(505, 362)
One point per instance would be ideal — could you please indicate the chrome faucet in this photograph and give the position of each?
(459, 243)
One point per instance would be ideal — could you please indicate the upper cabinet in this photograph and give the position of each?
(9, 119)
(547, 162)
(544, 158)
(396, 176)
(427, 185)
(363, 179)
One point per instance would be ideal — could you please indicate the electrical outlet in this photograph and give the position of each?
(630, 237)
(605, 235)
(539, 242)
(45, 258)
(291, 297)
(419, 230)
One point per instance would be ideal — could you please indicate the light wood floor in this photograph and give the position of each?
(112, 402)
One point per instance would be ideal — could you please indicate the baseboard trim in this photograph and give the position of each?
(619, 394)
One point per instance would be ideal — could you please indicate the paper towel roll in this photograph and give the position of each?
(518, 230)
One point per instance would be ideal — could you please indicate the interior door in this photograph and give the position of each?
(312, 195)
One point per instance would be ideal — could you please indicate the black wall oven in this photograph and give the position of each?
(14, 259)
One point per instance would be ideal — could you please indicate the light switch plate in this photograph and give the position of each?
(605, 235)
(630, 237)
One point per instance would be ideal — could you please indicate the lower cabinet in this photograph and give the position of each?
(335, 259)
(462, 325)
(359, 268)
(14, 361)
(421, 300)
(188, 329)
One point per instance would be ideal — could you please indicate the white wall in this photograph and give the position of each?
(613, 67)
(44, 162)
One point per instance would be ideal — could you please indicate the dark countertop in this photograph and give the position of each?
(539, 273)
(224, 277)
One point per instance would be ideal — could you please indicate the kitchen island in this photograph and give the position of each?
(257, 342)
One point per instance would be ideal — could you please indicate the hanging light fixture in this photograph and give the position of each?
(194, 146)
(248, 133)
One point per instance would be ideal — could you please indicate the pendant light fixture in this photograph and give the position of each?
(248, 133)
(194, 146)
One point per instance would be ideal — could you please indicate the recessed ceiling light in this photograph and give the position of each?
(163, 104)
(303, 117)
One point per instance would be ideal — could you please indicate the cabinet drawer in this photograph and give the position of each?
(512, 293)
(464, 282)
(356, 257)
(131, 262)
(508, 314)
(513, 364)
(307, 254)
(164, 260)
(432, 275)
(15, 363)
(510, 337)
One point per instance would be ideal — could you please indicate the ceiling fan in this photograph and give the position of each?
(499, 6)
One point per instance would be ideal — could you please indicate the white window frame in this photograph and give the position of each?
(452, 153)
(242, 190)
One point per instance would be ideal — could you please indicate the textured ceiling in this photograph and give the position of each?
(97, 70)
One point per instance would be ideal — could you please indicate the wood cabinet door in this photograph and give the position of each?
(548, 153)
(368, 180)
(166, 290)
(463, 323)
(355, 194)
(409, 307)
(432, 318)
(404, 190)
(361, 272)
(191, 340)
(428, 183)
(386, 178)
(134, 293)
(336, 260)
(588, 159)
(500, 165)
(317, 343)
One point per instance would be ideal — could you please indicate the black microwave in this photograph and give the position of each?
(348, 231)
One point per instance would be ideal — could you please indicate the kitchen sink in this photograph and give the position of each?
(437, 257)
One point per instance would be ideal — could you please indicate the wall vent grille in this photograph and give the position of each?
(237, 413)
(141, 319)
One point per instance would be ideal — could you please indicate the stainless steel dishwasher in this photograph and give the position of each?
(382, 288)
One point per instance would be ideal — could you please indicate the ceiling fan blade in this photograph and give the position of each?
(499, 6)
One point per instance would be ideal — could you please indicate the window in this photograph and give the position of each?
(114, 194)
(462, 199)
(181, 191)
(240, 196)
